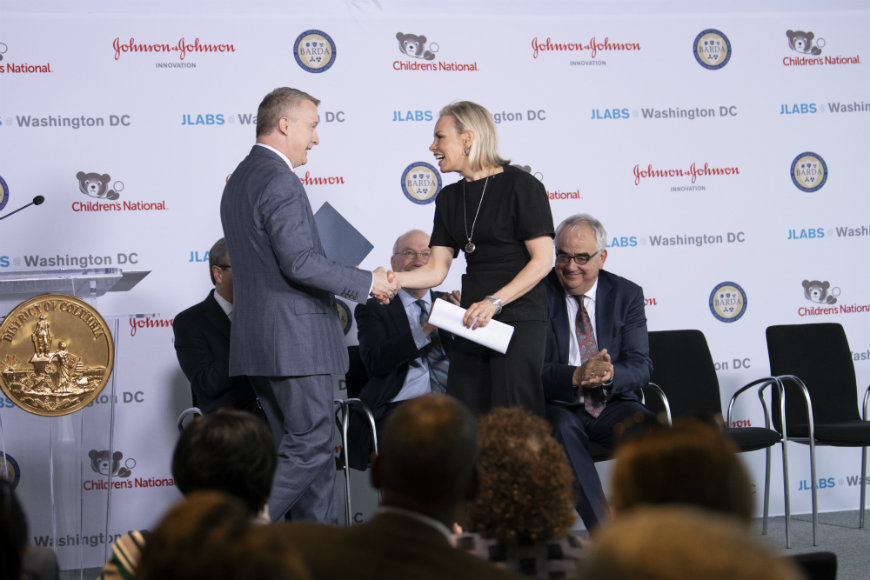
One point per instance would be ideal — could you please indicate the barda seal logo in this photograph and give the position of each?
(314, 51)
(809, 171)
(9, 469)
(343, 315)
(421, 183)
(728, 302)
(4, 193)
(712, 49)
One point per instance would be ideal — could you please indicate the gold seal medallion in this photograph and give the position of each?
(56, 355)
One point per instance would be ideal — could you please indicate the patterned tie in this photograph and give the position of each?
(593, 399)
(435, 355)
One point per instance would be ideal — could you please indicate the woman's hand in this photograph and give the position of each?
(479, 314)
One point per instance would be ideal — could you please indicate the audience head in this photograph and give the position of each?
(482, 146)
(410, 251)
(525, 493)
(427, 455)
(679, 542)
(692, 463)
(13, 532)
(228, 450)
(211, 535)
(580, 237)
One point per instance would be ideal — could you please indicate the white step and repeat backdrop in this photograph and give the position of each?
(725, 150)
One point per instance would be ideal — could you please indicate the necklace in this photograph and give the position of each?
(470, 247)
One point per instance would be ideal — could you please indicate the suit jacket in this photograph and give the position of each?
(387, 347)
(387, 546)
(620, 326)
(284, 318)
(202, 345)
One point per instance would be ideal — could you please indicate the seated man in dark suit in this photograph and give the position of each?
(202, 342)
(403, 354)
(426, 470)
(597, 355)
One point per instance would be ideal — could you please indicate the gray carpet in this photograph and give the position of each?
(837, 532)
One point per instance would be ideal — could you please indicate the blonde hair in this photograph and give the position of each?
(475, 118)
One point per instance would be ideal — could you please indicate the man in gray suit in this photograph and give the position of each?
(286, 333)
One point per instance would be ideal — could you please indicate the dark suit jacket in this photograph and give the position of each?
(387, 348)
(387, 546)
(620, 326)
(284, 318)
(202, 344)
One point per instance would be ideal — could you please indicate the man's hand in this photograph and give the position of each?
(452, 297)
(593, 373)
(384, 285)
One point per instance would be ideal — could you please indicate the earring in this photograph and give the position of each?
(467, 151)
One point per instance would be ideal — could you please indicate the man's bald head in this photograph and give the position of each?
(429, 449)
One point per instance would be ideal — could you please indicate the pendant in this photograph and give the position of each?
(470, 247)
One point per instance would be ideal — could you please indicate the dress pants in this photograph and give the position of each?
(574, 428)
(300, 412)
(484, 379)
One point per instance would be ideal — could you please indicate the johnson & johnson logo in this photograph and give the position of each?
(593, 47)
(694, 171)
(182, 47)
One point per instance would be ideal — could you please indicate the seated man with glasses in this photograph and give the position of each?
(403, 354)
(597, 354)
(202, 343)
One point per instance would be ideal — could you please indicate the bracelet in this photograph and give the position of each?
(496, 301)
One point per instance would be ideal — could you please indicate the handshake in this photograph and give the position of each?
(385, 285)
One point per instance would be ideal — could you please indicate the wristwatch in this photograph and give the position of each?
(496, 302)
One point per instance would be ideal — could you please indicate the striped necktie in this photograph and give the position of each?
(593, 399)
(435, 355)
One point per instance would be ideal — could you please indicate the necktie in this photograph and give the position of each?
(593, 399)
(435, 355)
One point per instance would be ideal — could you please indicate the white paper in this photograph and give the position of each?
(495, 335)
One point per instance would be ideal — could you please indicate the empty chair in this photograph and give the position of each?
(813, 364)
(683, 368)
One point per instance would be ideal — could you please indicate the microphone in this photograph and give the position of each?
(36, 201)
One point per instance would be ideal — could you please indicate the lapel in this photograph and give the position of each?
(217, 316)
(559, 317)
(603, 308)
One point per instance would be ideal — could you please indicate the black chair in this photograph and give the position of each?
(816, 374)
(683, 368)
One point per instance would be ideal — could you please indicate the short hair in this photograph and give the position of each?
(524, 493)
(578, 221)
(211, 535)
(679, 542)
(218, 255)
(475, 118)
(405, 235)
(429, 449)
(691, 463)
(279, 103)
(229, 450)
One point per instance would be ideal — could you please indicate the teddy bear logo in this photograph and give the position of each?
(104, 464)
(802, 42)
(414, 46)
(817, 291)
(97, 185)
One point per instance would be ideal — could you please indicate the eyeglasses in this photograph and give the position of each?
(411, 254)
(224, 266)
(580, 259)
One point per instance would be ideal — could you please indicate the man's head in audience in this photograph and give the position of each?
(410, 252)
(692, 463)
(679, 542)
(230, 451)
(581, 250)
(427, 457)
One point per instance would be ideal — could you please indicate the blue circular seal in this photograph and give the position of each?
(421, 183)
(809, 172)
(712, 49)
(728, 302)
(314, 51)
(343, 315)
(4, 193)
(11, 470)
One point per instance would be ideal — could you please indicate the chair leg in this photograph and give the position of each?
(345, 419)
(766, 492)
(813, 488)
(863, 486)
(786, 496)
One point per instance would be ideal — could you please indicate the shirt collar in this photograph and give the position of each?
(431, 522)
(225, 305)
(279, 154)
(591, 293)
(407, 299)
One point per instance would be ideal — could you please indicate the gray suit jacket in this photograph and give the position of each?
(284, 317)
